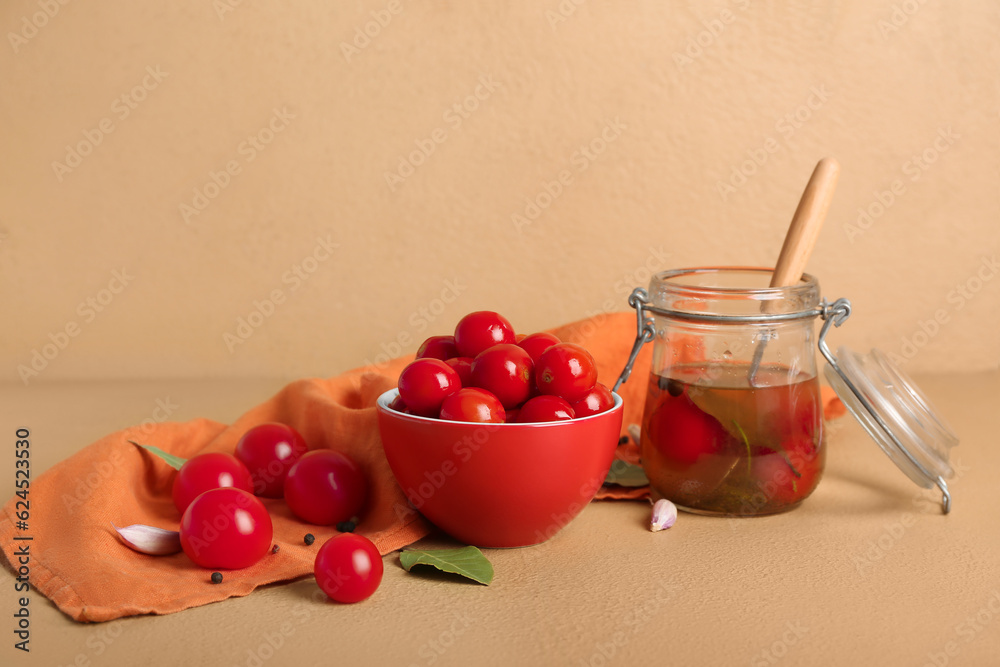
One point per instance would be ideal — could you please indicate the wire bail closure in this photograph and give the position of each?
(832, 314)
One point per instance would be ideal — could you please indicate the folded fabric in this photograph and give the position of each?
(79, 563)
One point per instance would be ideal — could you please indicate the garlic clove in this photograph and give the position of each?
(664, 515)
(149, 539)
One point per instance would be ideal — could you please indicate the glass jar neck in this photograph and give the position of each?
(730, 291)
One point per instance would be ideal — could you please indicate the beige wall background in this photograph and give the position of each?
(361, 174)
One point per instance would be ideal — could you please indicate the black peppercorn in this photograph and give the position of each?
(346, 526)
(274, 549)
(671, 386)
(216, 577)
(623, 440)
(309, 538)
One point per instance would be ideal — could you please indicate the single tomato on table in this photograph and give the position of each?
(348, 568)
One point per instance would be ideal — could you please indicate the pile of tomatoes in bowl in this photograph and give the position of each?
(486, 373)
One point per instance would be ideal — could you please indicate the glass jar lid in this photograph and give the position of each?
(891, 408)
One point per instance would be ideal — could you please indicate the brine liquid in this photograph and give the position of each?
(714, 444)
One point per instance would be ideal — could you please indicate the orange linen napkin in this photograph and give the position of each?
(77, 560)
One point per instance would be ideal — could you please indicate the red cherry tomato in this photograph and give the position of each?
(685, 434)
(462, 366)
(425, 383)
(226, 528)
(545, 409)
(438, 347)
(595, 401)
(482, 329)
(787, 476)
(566, 370)
(348, 568)
(505, 371)
(213, 470)
(325, 487)
(473, 405)
(268, 451)
(398, 405)
(537, 343)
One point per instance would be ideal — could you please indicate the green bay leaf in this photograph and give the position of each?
(468, 562)
(174, 461)
(623, 473)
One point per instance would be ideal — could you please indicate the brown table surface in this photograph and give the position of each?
(867, 571)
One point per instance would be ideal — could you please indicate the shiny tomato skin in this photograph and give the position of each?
(536, 343)
(212, 470)
(268, 451)
(566, 370)
(597, 400)
(472, 404)
(438, 347)
(545, 409)
(462, 366)
(480, 330)
(226, 529)
(348, 568)
(326, 487)
(425, 383)
(505, 371)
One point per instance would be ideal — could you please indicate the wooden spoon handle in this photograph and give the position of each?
(806, 223)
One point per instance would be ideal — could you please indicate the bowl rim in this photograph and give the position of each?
(382, 404)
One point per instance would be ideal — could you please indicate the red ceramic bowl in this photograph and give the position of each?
(499, 485)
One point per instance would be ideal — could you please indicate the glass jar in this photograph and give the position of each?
(733, 420)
